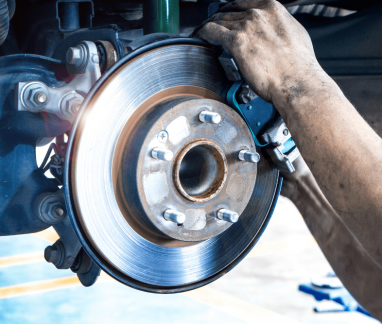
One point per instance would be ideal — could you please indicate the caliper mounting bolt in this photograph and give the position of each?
(248, 156)
(55, 253)
(174, 216)
(227, 215)
(210, 117)
(161, 154)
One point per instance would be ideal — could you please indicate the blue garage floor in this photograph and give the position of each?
(262, 289)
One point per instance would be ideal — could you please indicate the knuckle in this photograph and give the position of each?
(216, 16)
(237, 39)
(208, 26)
(253, 13)
(247, 25)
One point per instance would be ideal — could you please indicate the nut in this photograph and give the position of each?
(70, 104)
(52, 210)
(35, 97)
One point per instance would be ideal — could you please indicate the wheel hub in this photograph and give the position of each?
(204, 176)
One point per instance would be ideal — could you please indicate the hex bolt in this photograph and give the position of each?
(70, 104)
(162, 154)
(40, 97)
(52, 254)
(210, 117)
(35, 96)
(228, 215)
(248, 156)
(174, 216)
(74, 56)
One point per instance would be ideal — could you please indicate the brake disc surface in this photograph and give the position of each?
(107, 218)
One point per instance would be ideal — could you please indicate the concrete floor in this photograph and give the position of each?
(261, 289)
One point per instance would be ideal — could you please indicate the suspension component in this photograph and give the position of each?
(83, 62)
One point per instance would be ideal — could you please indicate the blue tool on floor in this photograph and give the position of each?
(330, 288)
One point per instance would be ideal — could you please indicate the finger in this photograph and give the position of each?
(229, 16)
(230, 25)
(224, 16)
(250, 14)
(243, 5)
(214, 33)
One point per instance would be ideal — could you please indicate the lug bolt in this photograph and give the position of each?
(40, 97)
(162, 154)
(174, 216)
(210, 117)
(228, 215)
(249, 156)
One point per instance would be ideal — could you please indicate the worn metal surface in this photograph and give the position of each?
(204, 175)
(97, 217)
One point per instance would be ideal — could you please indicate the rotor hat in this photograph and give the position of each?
(204, 174)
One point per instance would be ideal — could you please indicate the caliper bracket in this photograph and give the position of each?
(261, 117)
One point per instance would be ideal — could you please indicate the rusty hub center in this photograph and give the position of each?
(200, 170)
(180, 167)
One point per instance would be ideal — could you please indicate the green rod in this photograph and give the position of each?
(161, 16)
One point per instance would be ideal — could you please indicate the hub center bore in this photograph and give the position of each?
(200, 170)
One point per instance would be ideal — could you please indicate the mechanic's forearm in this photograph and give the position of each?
(275, 55)
(342, 151)
(353, 266)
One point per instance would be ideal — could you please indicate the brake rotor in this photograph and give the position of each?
(118, 190)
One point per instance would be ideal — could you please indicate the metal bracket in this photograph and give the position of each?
(230, 67)
(67, 251)
(50, 207)
(277, 135)
(283, 150)
(83, 62)
(86, 269)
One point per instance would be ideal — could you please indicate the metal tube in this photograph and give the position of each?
(161, 16)
(70, 19)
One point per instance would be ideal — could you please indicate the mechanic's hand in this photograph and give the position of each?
(293, 181)
(273, 51)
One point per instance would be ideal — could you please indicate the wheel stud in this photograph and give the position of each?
(161, 154)
(249, 156)
(210, 117)
(228, 215)
(174, 216)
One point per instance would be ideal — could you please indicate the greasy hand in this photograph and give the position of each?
(273, 51)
